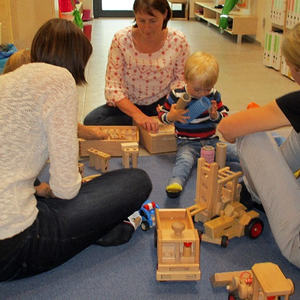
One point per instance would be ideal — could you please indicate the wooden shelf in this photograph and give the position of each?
(241, 24)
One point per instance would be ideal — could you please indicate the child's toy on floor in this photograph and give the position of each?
(264, 281)
(90, 177)
(221, 149)
(147, 211)
(162, 141)
(208, 153)
(111, 145)
(130, 151)
(218, 207)
(178, 246)
(98, 159)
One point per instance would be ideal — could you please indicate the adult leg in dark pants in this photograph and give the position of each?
(63, 228)
(109, 115)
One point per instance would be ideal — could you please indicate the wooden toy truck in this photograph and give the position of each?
(265, 281)
(178, 246)
(218, 207)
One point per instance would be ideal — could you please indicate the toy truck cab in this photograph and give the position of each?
(178, 246)
(147, 211)
(265, 281)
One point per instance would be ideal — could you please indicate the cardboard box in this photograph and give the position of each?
(111, 145)
(163, 141)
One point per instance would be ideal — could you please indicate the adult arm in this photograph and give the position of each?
(130, 109)
(264, 118)
(60, 125)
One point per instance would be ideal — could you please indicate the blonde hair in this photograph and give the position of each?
(202, 67)
(16, 60)
(291, 46)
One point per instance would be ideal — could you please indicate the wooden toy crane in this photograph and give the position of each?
(217, 205)
(214, 189)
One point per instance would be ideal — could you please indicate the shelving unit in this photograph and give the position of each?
(284, 15)
(240, 24)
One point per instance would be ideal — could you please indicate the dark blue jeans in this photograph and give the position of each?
(110, 115)
(63, 228)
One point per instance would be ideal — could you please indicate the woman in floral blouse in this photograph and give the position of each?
(145, 62)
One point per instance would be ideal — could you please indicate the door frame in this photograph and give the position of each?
(98, 12)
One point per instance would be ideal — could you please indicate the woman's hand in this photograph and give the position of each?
(91, 132)
(177, 114)
(43, 190)
(148, 123)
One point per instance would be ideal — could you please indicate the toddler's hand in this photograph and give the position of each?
(177, 114)
(213, 113)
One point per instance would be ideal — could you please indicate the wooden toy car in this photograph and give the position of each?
(235, 221)
(178, 246)
(147, 211)
(265, 281)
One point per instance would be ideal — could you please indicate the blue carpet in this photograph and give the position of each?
(128, 271)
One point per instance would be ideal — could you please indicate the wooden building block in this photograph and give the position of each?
(81, 169)
(98, 159)
(111, 145)
(130, 151)
(163, 141)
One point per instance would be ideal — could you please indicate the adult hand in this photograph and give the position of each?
(43, 190)
(91, 132)
(177, 114)
(148, 123)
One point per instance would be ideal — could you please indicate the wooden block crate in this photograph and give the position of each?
(163, 141)
(111, 145)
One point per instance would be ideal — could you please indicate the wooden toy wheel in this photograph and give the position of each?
(254, 228)
(224, 241)
(232, 297)
(145, 226)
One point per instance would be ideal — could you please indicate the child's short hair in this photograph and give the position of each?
(202, 67)
(291, 46)
(16, 60)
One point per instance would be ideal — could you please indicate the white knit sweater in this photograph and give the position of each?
(38, 119)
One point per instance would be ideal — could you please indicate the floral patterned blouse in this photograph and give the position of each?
(144, 78)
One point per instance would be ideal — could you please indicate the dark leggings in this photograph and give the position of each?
(110, 115)
(63, 228)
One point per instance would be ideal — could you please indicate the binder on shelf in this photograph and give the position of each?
(276, 50)
(267, 60)
(293, 13)
(278, 9)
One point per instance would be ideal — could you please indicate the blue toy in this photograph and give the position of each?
(147, 211)
(197, 107)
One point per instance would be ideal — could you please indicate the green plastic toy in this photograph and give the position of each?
(228, 6)
(77, 18)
